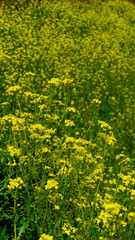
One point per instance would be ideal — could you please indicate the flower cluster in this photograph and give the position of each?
(15, 183)
(45, 237)
(51, 183)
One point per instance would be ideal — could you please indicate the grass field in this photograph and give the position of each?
(67, 121)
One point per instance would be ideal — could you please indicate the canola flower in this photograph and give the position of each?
(68, 229)
(69, 123)
(36, 127)
(45, 237)
(12, 119)
(112, 208)
(13, 151)
(131, 216)
(51, 183)
(77, 64)
(104, 125)
(57, 207)
(70, 140)
(12, 164)
(55, 81)
(71, 109)
(13, 89)
(96, 101)
(15, 183)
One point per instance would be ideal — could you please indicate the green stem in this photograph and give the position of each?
(15, 235)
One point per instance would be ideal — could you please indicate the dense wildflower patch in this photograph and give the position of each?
(67, 121)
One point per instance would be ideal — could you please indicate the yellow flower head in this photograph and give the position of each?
(45, 237)
(57, 207)
(112, 208)
(69, 123)
(104, 125)
(55, 81)
(51, 184)
(13, 151)
(70, 140)
(71, 109)
(13, 89)
(96, 101)
(131, 216)
(15, 183)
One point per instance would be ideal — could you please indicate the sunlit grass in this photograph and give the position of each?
(67, 121)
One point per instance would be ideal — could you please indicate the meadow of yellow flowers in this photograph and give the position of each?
(67, 121)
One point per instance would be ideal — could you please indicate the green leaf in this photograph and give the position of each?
(57, 224)
(92, 232)
(3, 233)
(26, 199)
(24, 222)
(32, 215)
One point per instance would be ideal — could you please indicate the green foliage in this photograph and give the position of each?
(67, 120)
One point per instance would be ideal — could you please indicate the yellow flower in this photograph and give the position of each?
(51, 184)
(112, 208)
(57, 207)
(45, 150)
(132, 194)
(15, 183)
(79, 219)
(67, 81)
(30, 73)
(69, 123)
(45, 237)
(104, 217)
(67, 231)
(97, 101)
(13, 151)
(37, 127)
(131, 216)
(110, 139)
(104, 125)
(112, 181)
(102, 238)
(55, 81)
(12, 164)
(108, 196)
(71, 109)
(70, 140)
(121, 188)
(124, 224)
(11, 90)
(119, 156)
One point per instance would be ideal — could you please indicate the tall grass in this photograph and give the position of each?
(67, 121)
